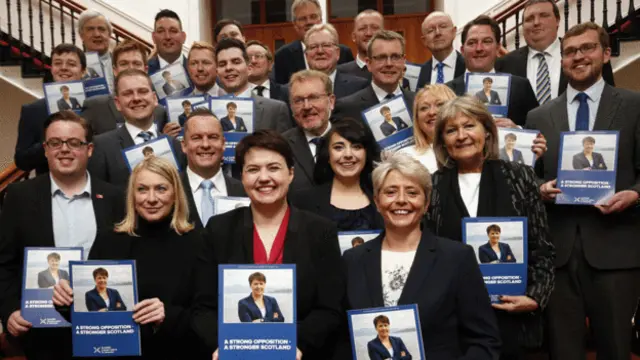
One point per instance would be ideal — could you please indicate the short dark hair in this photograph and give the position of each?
(481, 20)
(186, 102)
(493, 227)
(582, 28)
(147, 150)
(69, 115)
(70, 48)
(129, 73)
(224, 22)
(261, 44)
(166, 13)
(53, 255)
(100, 271)
(356, 133)
(590, 139)
(231, 104)
(384, 108)
(64, 87)
(264, 139)
(511, 136)
(257, 276)
(380, 319)
(229, 43)
(127, 46)
(199, 111)
(487, 79)
(556, 10)
(357, 240)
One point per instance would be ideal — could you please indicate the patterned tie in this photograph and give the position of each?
(582, 116)
(146, 135)
(317, 141)
(207, 206)
(543, 81)
(260, 90)
(440, 75)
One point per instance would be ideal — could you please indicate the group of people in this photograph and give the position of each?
(312, 168)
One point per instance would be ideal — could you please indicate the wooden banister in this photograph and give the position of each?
(10, 175)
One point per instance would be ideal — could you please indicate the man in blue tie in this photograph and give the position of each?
(438, 33)
(597, 262)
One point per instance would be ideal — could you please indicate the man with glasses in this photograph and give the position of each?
(261, 61)
(365, 24)
(290, 58)
(386, 61)
(65, 208)
(597, 262)
(168, 37)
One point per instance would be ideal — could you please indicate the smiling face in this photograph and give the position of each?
(305, 16)
(66, 67)
(260, 65)
(428, 106)
(385, 72)
(313, 113)
(265, 176)
(230, 31)
(540, 25)
(136, 100)
(101, 282)
(154, 196)
(65, 93)
(480, 49)
(363, 29)
(438, 33)
(345, 158)
(588, 147)
(584, 70)
(510, 143)
(321, 58)
(203, 144)
(202, 68)
(382, 329)
(65, 161)
(129, 60)
(464, 139)
(494, 237)
(401, 201)
(231, 111)
(257, 288)
(486, 85)
(95, 35)
(233, 70)
(54, 264)
(168, 37)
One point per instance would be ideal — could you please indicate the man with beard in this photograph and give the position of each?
(365, 24)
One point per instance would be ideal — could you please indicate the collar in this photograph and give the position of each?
(245, 94)
(361, 63)
(380, 94)
(105, 57)
(265, 83)
(449, 61)
(55, 189)
(215, 91)
(552, 49)
(594, 92)
(164, 63)
(134, 130)
(493, 71)
(195, 180)
(310, 136)
(332, 76)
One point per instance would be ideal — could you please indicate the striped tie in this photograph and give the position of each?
(543, 81)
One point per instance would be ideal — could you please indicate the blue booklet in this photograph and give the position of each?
(67, 95)
(179, 108)
(223, 204)
(236, 117)
(104, 326)
(412, 74)
(95, 81)
(391, 123)
(43, 268)
(162, 147)
(500, 245)
(399, 325)
(587, 167)
(257, 312)
(351, 239)
(515, 145)
(492, 89)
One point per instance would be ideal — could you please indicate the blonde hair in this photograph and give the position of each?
(180, 219)
(440, 92)
(472, 108)
(305, 75)
(407, 166)
(202, 45)
(321, 27)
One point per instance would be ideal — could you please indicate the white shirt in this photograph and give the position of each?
(215, 91)
(266, 92)
(380, 94)
(361, 63)
(164, 63)
(428, 158)
(263, 311)
(466, 71)
(134, 131)
(304, 55)
(553, 58)
(246, 93)
(332, 76)
(594, 93)
(107, 65)
(470, 191)
(219, 187)
(395, 268)
(106, 301)
(448, 69)
(390, 350)
(310, 136)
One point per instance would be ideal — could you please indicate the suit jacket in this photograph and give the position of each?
(456, 318)
(352, 105)
(487, 255)
(182, 118)
(271, 114)
(618, 110)
(95, 302)
(425, 71)
(101, 112)
(388, 129)
(377, 351)
(515, 63)
(522, 99)
(227, 125)
(234, 188)
(353, 69)
(29, 153)
(45, 279)
(346, 84)
(304, 163)
(75, 105)
(289, 59)
(580, 162)
(107, 162)
(517, 155)
(319, 281)
(278, 91)
(494, 98)
(172, 87)
(153, 64)
(249, 311)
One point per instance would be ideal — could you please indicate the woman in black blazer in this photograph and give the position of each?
(409, 265)
(156, 234)
(272, 232)
(471, 182)
(343, 170)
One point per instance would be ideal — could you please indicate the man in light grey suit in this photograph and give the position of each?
(100, 111)
(597, 248)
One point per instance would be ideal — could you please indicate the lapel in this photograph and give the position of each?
(291, 237)
(117, 115)
(100, 205)
(457, 85)
(298, 55)
(521, 64)
(125, 139)
(303, 153)
(44, 211)
(339, 86)
(369, 97)
(460, 66)
(373, 273)
(428, 69)
(246, 237)
(558, 112)
(193, 211)
(274, 90)
(259, 111)
(420, 269)
(609, 103)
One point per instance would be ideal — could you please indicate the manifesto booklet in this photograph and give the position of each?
(102, 312)
(391, 124)
(257, 312)
(500, 245)
(95, 77)
(492, 89)
(236, 118)
(351, 239)
(44, 268)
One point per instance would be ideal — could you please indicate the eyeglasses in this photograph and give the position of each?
(314, 99)
(305, 19)
(257, 56)
(383, 58)
(73, 143)
(585, 49)
(323, 46)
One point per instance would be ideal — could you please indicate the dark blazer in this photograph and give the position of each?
(227, 125)
(377, 351)
(304, 163)
(45, 279)
(95, 302)
(101, 112)
(107, 162)
(271, 114)
(522, 99)
(29, 153)
(353, 69)
(618, 110)
(346, 84)
(580, 162)
(517, 155)
(289, 59)
(388, 129)
(515, 63)
(456, 318)
(353, 105)
(494, 98)
(277, 92)
(487, 255)
(249, 311)
(75, 105)
(319, 281)
(425, 71)
(153, 64)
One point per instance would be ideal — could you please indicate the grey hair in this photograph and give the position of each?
(92, 14)
(407, 166)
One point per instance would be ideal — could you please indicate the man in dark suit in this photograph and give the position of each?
(261, 61)
(386, 62)
(231, 122)
(390, 124)
(168, 38)
(486, 95)
(581, 160)
(67, 102)
(480, 44)
(136, 100)
(540, 29)
(597, 266)
(290, 58)
(65, 208)
(203, 144)
(68, 63)
(365, 24)
(438, 33)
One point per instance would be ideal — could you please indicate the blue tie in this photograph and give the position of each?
(582, 117)
(207, 207)
(145, 135)
(440, 75)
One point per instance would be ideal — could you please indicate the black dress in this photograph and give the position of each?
(354, 220)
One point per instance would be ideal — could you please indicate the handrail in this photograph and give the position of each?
(10, 175)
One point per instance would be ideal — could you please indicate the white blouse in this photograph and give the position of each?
(428, 158)
(470, 191)
(395, 270)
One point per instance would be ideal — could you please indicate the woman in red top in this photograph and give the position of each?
(272, 232)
